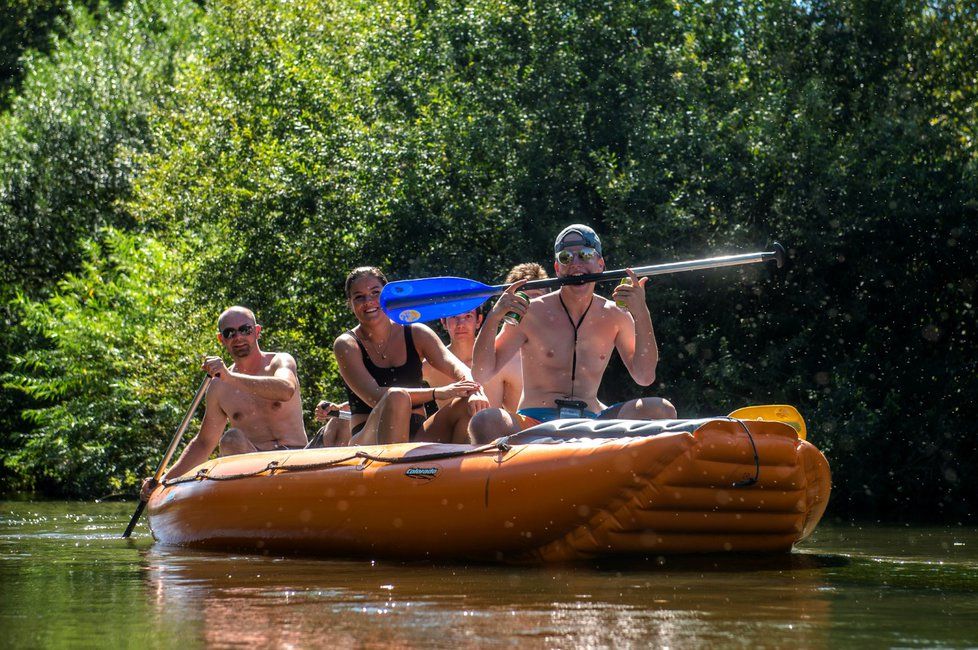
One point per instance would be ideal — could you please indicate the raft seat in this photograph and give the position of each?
(577, 428)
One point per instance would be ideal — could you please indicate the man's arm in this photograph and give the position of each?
(491, 353)
(441, 359)
(205, 442)
(512, 378)
(280, 386)
(636, 340)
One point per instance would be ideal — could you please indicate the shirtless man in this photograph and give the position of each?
(258, 396)
(566, 339)
(503, 390)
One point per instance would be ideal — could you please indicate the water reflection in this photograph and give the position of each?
(296, 602)
(67, 580)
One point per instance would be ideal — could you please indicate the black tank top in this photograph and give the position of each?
(406, 376)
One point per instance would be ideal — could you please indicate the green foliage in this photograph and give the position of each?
(868, 175)
(68, 140)
(27, 24)
(122, 340)
(303, 138)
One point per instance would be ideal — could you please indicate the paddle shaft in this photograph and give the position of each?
(170, 450)
(776, 255)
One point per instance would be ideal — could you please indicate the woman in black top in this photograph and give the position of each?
(380, 362)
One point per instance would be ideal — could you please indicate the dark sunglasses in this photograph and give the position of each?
(230, 332)
(586, 254)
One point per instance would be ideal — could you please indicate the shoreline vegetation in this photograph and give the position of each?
(162, 160)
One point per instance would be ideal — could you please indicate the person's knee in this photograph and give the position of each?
(335, 433)
(397, 399)
(234, 442)
(656, 408)
(667, 410)
(485, 426)
(648, 408)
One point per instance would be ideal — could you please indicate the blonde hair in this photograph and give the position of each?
(526, 271)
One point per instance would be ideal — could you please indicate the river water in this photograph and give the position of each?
(67, 579)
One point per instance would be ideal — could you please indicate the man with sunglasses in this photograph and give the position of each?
(258, 396)
(566, 339)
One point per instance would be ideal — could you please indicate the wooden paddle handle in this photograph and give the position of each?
(169, 450)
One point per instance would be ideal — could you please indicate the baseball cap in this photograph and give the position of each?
(587, 238)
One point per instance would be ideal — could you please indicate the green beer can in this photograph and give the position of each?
(512, 318)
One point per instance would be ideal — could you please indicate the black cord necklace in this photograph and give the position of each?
(576, 327)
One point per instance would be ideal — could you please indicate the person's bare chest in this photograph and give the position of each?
(242, 407)
(554, 339)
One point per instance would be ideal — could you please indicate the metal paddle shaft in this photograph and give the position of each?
(776, 255)
(170, 450)
(426, 299)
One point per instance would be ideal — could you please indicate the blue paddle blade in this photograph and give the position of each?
(409, 301)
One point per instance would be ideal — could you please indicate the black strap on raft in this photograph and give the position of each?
(749, 481)
(275, 466)
(576, 327)
(317, 440)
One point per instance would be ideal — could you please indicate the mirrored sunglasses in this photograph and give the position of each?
(586, 254)
(230, 332)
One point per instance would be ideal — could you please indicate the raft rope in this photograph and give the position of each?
(275, 466)
(747, 482)
(576, 327)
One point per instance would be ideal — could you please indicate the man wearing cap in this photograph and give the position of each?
(566, 339)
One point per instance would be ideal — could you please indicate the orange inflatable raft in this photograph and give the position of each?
(565, 490)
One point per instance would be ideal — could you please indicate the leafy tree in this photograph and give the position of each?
(301, 139)
(122, 340)
(28, 25)
(68, 141)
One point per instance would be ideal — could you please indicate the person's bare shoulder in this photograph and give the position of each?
(607, 307)
(345, 342)
(216, 395)
(548, 299)
(618, 317)
(282, 360)
(543, 305)
(424, 333)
